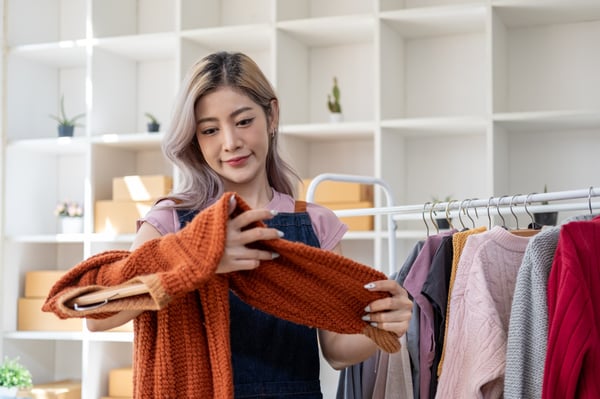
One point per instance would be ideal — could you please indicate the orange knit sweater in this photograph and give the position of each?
(181, 346)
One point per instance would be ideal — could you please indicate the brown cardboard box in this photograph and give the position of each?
(119, 217)
(333, 191)
(38, 283)
(141, 188)
(31, 318)
(355, 223)
(120, 382)
(68, 389)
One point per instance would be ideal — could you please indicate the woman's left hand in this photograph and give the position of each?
(392, 313)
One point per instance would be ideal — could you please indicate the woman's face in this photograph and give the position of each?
(232, 132)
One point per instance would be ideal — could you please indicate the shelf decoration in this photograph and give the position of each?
(153, 124)
(333, 103)
(13, 376)
(70, 214)
(66, 126)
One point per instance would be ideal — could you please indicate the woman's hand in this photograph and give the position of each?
(237, 256)
(391, 313)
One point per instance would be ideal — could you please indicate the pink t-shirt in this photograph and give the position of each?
(328, 228)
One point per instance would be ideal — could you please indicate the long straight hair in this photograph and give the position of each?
(199, 185)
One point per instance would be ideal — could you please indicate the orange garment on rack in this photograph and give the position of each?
(181, 346)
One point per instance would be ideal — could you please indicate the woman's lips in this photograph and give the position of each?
(239, 161)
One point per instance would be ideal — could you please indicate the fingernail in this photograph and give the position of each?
(366, 317)
(369, 286)
(232, 200)
(374, 324)
(368, 308)
(274, 212)
(280, 233)
(274, 255)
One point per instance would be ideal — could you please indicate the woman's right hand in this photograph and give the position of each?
(237, 256)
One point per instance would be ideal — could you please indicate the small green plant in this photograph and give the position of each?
(14, 375)
(62, 119)
(152, 118)
(545, 191)
(333, 99)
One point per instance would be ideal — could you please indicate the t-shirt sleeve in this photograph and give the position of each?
(162, 216)
(328, 227)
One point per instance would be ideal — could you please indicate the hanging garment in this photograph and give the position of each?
(572, 363)
(528, 327)
(480, 308)
(414, 284)
(459, 240)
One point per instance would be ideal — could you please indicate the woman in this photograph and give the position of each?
(223, 138)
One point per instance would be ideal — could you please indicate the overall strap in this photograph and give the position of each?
(300, 206)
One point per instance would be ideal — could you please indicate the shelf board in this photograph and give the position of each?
(57, 145)
(109, 336)
(136, 141)
(437, 21)
(548, 120)
(45, 335)
(148, 47)
(518, 13)
(64, 54)
(255, 37)
(331, 31)
(329, 131)
(437, 126)
(108, 238)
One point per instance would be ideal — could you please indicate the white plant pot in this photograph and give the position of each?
(8, 392)
(336, 117)
(71, 225)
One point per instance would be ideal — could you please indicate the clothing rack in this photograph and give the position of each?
(501, 206)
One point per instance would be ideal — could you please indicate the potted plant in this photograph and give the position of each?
(13, 376)
(333, 103)
(71, 217)
(153, 124)
(442, 223)
(545, 218)
(66, 125)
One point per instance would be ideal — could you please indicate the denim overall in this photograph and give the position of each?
(273, 358)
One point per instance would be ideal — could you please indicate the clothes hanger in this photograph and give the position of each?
(488, 213)
(517, 231)
(423, 214)
(467, 211)
(500, 213)
(437, 228)
(448, 214)
(460, 211)
(532, 225)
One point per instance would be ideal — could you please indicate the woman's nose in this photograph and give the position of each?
(231, 141)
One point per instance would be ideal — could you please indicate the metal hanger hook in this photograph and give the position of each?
(448, 213)
(488, 213)
(460, 211)
(512, 211)
(437, 228)
(498, 210)
(527, 211)
(590, 199)
(423, 214)
(468, 214)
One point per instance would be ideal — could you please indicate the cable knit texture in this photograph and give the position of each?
(572, 363)
(182, 350)
(481, 301)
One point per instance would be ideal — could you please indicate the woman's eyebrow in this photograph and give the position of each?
(232, 115)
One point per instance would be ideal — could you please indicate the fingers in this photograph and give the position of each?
(392, 313)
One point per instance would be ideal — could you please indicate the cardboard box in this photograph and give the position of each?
(120, 382)
(119, 217)
(31, 318)
(355, 223)
(141, 188)
(38, 283)
(333, 191)
(68, 389)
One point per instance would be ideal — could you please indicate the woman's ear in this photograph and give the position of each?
(273, 115)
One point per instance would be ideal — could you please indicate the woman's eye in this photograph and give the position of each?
(245, 122)
(208, 131)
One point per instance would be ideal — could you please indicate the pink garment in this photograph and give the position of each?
(572, 366)
(327, 226)
(413, 284)
(482, 295)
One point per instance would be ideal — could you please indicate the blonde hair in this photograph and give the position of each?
(199, 184)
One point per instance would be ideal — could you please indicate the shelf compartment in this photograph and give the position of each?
(211, 13)
(390, 5)
(52, 21)
(330, 131)
(537, 47)
(433, 62)
(132, 17)
(306, 9)
(306, 69)
(437, 126)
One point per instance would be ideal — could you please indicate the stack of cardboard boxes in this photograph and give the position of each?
(120, 383)
(343, 195)
(30, 316)
(132, 198)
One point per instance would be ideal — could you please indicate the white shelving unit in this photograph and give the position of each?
(440, 97)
